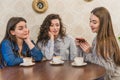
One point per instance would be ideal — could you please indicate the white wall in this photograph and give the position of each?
(74, 13)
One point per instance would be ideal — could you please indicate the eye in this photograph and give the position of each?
(25, 26)
(94, 22)
(90, 21)
(57, 24)
(51, 25)
(20, 28)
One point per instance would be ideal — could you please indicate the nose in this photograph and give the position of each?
(25, 29)
(90, 24)
(55, 27)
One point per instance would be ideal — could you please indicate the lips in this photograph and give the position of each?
(54, 31)
(25, 34)
(92, 28)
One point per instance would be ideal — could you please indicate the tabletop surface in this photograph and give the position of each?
(46, 71)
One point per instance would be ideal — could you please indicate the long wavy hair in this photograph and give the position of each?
(11, 25)
(43, 35)
(107, 45)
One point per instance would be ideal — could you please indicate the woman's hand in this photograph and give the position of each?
(78, 40)
(28, 41)
(85, 46)
(27, 36)
(51, 35)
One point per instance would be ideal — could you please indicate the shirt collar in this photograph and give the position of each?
(59, 38)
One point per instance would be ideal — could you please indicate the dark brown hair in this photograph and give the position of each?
(11, 25)
(44, 29)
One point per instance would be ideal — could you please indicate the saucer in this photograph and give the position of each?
(27, 64)
(74, 64)
(55, 63)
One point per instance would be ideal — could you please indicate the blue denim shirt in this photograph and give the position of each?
(11, 56)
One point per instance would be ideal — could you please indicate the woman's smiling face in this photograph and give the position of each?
(21, 31)
(55, 27)
(94, 23)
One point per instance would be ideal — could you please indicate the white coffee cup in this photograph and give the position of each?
(78, 60)
(27, 59)
(56, 59)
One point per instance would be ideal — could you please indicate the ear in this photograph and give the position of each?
(12, 32)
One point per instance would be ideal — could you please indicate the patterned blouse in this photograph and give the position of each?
(65, 48)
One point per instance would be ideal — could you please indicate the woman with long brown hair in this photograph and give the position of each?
(53, 40)
(105, 50)
(16, 46)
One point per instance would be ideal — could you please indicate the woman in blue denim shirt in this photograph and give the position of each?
(16, 46)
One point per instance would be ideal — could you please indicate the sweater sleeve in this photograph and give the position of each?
(97, 59)
(73, 49)
(36, 54)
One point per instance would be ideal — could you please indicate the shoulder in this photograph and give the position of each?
(5, 44)
(39, 43)
(6, 41)
(69, 37)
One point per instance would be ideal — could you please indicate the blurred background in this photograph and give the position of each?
(74, 13)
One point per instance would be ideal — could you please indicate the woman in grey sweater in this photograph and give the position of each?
(53, 40)
(105, 50)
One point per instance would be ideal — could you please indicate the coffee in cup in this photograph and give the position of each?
(57, 59)
(78, 60)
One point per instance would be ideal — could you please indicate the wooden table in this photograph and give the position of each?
(45, 71)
